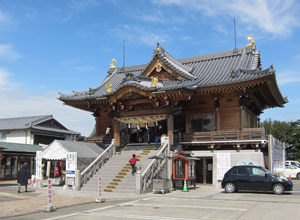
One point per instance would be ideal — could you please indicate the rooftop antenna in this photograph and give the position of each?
(234, 33)
(124, 55)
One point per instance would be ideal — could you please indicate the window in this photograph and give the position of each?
(191, 168)
(239, 171)
(3, 136)
(295, 164)
(179, 168)
(257, 172)
(203, 123)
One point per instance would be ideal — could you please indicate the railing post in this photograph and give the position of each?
(114, 147)
(169, 146)
(138, 182)
(77, 180)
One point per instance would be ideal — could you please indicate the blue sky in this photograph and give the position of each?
(53, 46)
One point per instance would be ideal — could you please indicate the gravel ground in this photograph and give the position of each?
(32, 205)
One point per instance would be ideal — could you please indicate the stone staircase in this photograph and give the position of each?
(116, 173)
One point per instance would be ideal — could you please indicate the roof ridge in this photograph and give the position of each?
(25, 117)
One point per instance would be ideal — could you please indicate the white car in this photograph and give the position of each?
(292, 170)
(293, 162)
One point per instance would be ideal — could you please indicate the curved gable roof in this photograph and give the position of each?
(227, 67)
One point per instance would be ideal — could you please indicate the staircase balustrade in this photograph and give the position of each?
(98, 162)
(153, 167)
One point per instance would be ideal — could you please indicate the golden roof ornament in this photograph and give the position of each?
(108, 87)
(251, 41)
(112, 63)
(158, 67)
(154, 81)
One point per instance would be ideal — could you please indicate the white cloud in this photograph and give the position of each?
(277, 17)
(288, 76)
(147, 36)
(74, 8)
(4, 19)
(85, 68)
(5, 85)
(7, 53)
(17, 102)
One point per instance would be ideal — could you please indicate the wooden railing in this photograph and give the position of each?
(145, 179)
(245, 134)
(98, 163)
(95, 139)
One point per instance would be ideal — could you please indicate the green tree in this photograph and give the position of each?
(288, 132)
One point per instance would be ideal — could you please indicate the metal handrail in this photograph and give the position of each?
(154, 166)
(98, 162)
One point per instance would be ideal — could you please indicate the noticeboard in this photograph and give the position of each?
(38, 165)
(71, 164)
(223, 164)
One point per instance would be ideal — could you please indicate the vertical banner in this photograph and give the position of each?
(223, 164)
(49, 185)
(71, 164)
(99, 186)
(38, 165)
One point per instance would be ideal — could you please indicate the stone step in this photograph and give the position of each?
(114, 166)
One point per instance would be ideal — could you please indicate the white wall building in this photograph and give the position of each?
(34, 130)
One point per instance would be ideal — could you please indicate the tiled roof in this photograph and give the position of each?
(201, 71)
(21, 122)
(25, 148)
(33, 122)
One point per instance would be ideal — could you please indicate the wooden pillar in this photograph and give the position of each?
(187, 123)
(170, 121)
(97, 132)
(117, 132)
(242, 117)
(218, 120)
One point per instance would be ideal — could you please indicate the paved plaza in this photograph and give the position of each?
(205, 202)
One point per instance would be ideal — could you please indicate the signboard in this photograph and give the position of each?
(276, 155)
(99, 186)
(223, 164)
(71, 164)
(49, 185)
(38, 165)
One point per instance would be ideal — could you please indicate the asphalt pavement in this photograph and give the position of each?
(205, 202)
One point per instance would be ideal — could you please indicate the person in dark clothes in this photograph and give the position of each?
(159, 133)
(133, 161)
(150, 134)
(23, 177)
(108, 131)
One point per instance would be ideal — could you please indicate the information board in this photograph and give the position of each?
(38, 165)
(71, 164)
(223, 164)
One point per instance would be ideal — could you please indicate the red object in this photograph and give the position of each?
(56, 170)
(133, 160)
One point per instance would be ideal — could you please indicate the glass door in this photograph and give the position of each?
(204, 170)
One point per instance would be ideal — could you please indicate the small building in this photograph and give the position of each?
(54, 156)
(14, 155)
(34, 130)
(209, 105)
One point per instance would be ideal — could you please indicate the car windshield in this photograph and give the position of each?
(267, 171)
(295, 164)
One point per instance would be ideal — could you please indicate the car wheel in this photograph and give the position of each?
(298, 176)
(230, 187)
(278, 189)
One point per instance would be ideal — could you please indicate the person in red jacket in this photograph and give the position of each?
(133, 161)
